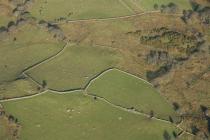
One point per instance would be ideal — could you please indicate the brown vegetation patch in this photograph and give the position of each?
(9, 125)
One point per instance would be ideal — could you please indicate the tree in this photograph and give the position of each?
(195, 6)
(44, 83)
(3, 29)
(172, 7)
(162, 8)
(156, 6)
(166, 135)
(203, 109)
(95, 98)
(16, 120)
(171, 119)
(186, 15)
(174, 134)
(151, 114)
(10, 24)
(176, 106)
(11, 118)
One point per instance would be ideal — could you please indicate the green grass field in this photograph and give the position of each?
(75, 67)
(78, 117)
(24, 47)
(17, 88)
(127, 91)
(78, 9)
(148, 5)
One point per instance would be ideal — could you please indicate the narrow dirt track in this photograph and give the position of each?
(111, 18)
(104, 19)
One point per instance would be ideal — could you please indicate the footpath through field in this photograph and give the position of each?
(111, 18)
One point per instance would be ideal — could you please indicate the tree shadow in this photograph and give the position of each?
(208, 121)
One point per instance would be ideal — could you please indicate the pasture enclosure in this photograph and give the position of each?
(23, 47)
(76, 116)
(131, 92)
(75, 67)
